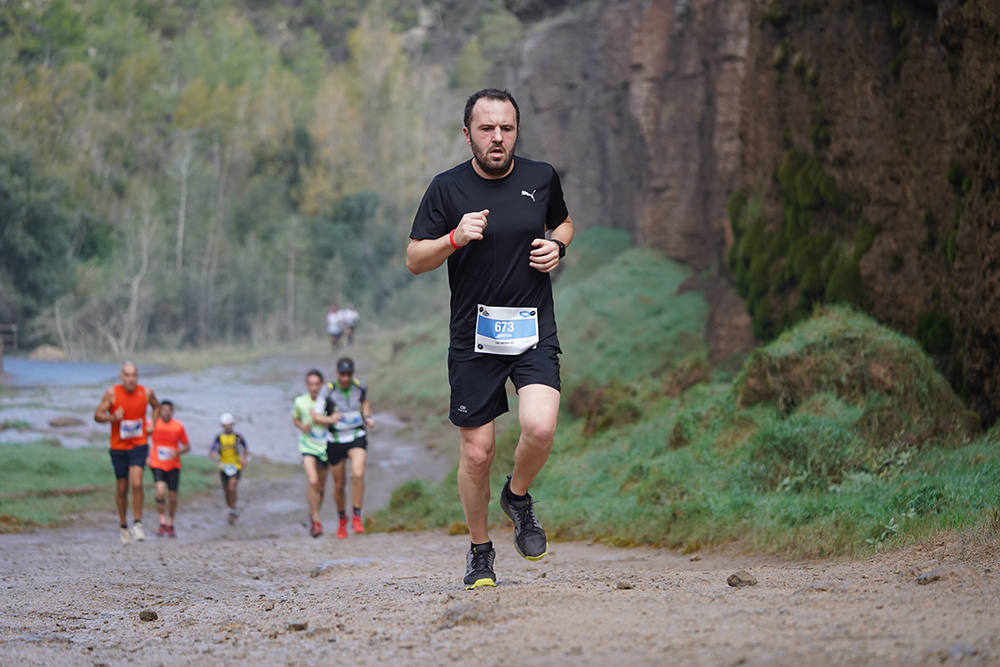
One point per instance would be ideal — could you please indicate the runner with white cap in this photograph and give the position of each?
(230, 450)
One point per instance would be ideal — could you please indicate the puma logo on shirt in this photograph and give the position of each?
(529, 194)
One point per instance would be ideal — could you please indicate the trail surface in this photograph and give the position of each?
(264, 592)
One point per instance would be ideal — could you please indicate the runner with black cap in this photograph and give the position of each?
(343, 406)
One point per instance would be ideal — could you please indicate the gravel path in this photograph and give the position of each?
(263, 591)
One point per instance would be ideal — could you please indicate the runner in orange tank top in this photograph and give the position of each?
(124, 407)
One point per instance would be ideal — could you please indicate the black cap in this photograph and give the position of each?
(345, 365)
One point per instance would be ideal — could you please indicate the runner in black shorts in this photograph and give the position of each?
(343, 406)
(502, 319)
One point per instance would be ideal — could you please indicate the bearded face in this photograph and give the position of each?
(492, 135)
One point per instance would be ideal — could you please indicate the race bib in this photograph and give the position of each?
(317, 434)
(229, 469)
(505, 330)
(130, 428)
(350, 420)
(166, 453)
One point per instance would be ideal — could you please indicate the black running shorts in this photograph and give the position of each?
(171, 477)
(337, 452)
(478, 393)
(123, 459)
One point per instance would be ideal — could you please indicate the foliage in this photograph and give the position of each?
(195, 171)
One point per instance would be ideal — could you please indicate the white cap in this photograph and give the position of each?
(226, 418)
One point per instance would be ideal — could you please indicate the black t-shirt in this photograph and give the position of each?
(494, 271)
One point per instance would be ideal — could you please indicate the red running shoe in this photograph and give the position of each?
(170, 531)
(317, 529)
(342, 529)
(357, 525)
(162, 531)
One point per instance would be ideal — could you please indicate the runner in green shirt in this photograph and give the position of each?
(312, 446)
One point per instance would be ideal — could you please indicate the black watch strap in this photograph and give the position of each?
(562, 247)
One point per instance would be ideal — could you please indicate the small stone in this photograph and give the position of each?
(929, 577)
(298, 627)
(624, 585)
(741, 578)
(695, 558)
(147, 615)
(269, 605)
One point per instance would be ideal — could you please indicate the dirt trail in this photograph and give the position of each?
(263, 591)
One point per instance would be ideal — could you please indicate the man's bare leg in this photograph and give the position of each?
(475, 458)
(538, 414)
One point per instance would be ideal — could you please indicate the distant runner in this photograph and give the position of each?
(170, 440)
(349, 318)
(312, 446)
(124, 407)
(345, 408)
(334, 327)
(230, 450)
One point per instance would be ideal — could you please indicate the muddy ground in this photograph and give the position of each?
(262, 591)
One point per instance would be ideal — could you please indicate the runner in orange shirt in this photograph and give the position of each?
(124, 407)
(169, 442)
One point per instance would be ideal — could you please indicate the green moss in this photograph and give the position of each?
(863, 240)
(779, 57)
(845, 284)
(935, 332)
(774, 13)
(799, 63)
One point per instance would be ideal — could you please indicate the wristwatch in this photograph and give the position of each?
(562, 247)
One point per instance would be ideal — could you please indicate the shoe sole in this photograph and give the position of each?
(486, 581)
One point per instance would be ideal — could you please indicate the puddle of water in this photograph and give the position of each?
(20, 372)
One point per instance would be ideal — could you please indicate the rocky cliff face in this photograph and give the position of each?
(876, 126)
(861, 140)
(637, 105)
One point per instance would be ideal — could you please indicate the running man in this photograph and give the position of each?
(169, 442)
(230, 450)
(334, 326)
(350, 318)
(124, 407)
(344, 408)
(312, 446)
(502, 320)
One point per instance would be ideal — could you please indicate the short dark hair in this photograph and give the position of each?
(313, 371)
(166, 402)
(490, 94)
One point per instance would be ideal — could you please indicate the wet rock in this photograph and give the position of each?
(741, 578)
(624, 585)
(298, 626)
(58, 422)
(147, 615)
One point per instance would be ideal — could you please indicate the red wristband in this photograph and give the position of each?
(451, 239)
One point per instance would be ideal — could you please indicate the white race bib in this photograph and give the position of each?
(505, 330)
(130, 428)
(166, 453)
(229, 469)
(348, 420)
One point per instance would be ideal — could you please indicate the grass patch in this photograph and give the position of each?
(837, 438)
(45, 484)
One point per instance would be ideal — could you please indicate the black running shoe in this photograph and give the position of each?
(479, 568)
(529, 536)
